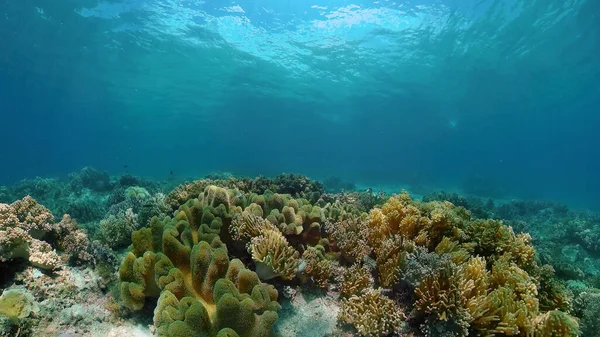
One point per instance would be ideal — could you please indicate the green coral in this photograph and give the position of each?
(556, 323)
(587, 307)
(183, 262)
(17, 303)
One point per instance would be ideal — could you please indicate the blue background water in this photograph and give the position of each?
(416, 93)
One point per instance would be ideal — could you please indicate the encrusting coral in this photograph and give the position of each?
(17, 303)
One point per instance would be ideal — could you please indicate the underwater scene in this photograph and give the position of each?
(322, 168)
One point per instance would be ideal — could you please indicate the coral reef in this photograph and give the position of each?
(297, 186)
(337, 185)
(211, 258)
(115, 230)
(466, 274)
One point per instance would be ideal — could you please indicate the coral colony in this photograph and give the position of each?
(228, 256)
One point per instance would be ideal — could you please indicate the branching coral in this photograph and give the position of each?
(185, 192)
(556, 323)
(492, 238)
(485, 279)
(355, 279)
(390, 260)
(587, 307)
(339, 210)
(297, 219)
(248, 225)
(372, 314)
(33, 217)
(439, 294)
(349, 236)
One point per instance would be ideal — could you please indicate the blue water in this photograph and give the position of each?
(424, 94)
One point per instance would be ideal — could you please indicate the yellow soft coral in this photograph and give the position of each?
(317, 267)
(355, 279)
(273, 255)
(439, 294)
(372, 314)
(556, 323)
(349, 236)
(248, 225)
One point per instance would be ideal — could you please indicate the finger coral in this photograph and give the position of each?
(355, 279)
(349, 236)
(372, 314)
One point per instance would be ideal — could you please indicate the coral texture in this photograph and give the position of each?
(23, 226)
(372, 314)
(182, 261)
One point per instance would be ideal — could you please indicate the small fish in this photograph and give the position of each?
(125, 166)
(171, 173)
(301, 266)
